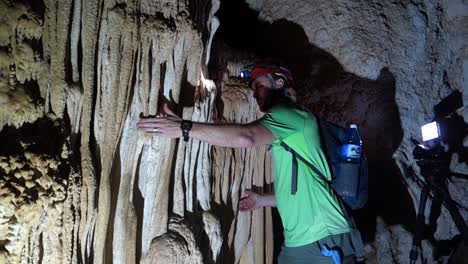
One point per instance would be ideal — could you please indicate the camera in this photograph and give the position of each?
(441, 138)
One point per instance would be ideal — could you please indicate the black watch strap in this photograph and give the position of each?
(186, 125)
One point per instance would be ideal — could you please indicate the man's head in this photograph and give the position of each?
(269, 83)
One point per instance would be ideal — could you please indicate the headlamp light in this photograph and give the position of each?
(245, 74)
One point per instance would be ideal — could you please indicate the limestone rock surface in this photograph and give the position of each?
(80, 184)
(422, 44)
(97, 190)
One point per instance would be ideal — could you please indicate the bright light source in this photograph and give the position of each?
(430, 131)
(244, 74)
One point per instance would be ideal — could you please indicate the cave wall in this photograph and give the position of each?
(421, 47)
(80, 184)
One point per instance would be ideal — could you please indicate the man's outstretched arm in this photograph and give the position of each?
(232, 135)
(226, 135)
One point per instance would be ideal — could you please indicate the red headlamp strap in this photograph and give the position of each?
(260, 72)
(270, 70)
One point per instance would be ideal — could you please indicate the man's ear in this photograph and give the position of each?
(279, 83)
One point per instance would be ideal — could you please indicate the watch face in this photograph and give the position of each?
(186, 125)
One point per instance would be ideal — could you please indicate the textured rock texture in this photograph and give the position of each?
(79, 183)
(421, 44)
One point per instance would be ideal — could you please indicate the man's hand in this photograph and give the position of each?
(250, 202)
(164, 126)
(254, 201)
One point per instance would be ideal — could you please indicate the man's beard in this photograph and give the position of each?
(265, 104)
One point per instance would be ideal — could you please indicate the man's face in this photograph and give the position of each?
(262, 92)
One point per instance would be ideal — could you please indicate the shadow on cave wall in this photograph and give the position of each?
(332, 94)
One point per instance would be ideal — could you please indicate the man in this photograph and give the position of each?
(311, 216)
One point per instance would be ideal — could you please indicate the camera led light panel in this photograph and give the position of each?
(430, 131)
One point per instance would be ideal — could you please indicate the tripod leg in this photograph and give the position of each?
(419, 225)
(434, 214)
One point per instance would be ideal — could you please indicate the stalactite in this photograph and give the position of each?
(74, 39)
(236, 170)
(114, 83)
(19, 63)
(57, 23)
(89, 25)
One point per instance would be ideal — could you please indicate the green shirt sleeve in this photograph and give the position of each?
(283, 122)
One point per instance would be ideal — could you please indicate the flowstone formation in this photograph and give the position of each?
(80, 184)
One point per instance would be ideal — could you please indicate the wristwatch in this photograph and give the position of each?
(186, 125)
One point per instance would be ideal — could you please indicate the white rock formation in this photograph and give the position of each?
(109, 193)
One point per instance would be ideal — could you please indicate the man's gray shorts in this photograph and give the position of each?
(311, 253)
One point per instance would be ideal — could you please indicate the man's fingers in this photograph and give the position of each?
(154, 133)
(162, 130)
(162, 126)
(148, 119)
(158, 119)
(246, 203)
(245, 207)
(245, 199)
(249, 201)
(146, 125)
(157, 126)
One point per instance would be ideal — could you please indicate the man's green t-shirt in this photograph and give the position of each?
(313, 212)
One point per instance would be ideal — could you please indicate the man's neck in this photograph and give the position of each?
(281, 102)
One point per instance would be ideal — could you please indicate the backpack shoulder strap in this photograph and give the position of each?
(296, 156)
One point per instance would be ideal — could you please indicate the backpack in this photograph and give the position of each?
(344, 174)
(332, 137)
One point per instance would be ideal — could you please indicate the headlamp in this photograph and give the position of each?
(272, 71)
(245, 74)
